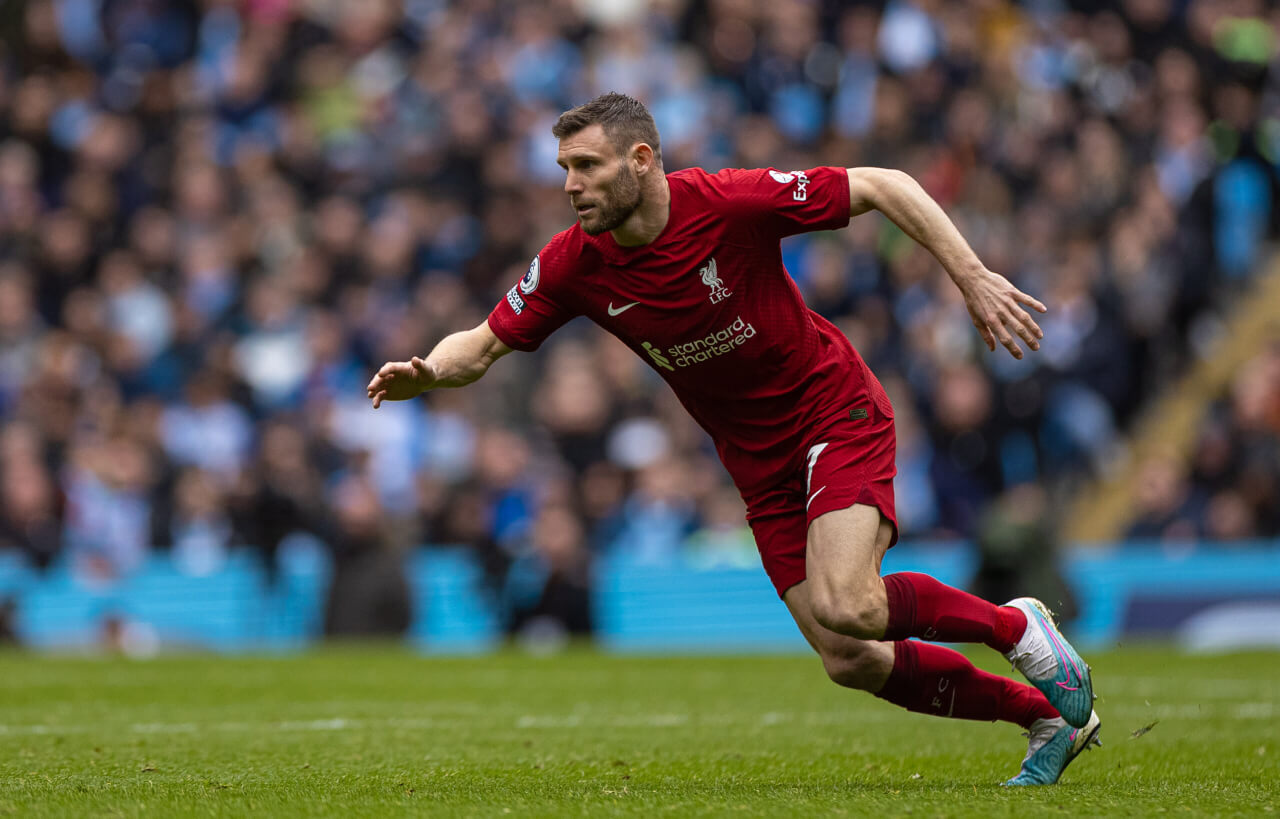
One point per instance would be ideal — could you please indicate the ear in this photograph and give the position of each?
(642, 158)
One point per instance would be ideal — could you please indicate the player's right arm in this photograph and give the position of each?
(456, 361)
(531, 310)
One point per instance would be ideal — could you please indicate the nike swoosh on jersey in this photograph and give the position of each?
(624, 308)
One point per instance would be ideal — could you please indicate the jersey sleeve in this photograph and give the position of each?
(534, 307)
(782, 203)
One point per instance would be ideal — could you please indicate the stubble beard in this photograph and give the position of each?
(622, 199)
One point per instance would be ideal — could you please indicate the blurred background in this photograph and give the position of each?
(218, 218)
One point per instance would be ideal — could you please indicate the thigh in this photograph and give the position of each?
(844, 550)
(846, 480)
(850, 507)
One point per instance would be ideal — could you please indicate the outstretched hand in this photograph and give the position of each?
(995, 306)
(401, 380)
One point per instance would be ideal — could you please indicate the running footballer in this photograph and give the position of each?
(685, 268)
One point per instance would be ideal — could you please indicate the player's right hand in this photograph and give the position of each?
(401, 380)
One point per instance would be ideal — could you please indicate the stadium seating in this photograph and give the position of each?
(1128, 591)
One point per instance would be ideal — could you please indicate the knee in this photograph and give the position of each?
(861, 613)
(854, 667)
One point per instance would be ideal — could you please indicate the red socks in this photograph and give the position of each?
(937, 680)
(920, 606)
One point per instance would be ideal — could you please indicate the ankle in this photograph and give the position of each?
(1011, 624)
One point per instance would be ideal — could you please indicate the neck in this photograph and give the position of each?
(648, 221)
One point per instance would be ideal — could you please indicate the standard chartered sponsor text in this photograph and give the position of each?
(712, 345)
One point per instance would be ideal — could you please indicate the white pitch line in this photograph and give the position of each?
(328, 724)
(1226, 688)
(1241, 711)
(526, 721)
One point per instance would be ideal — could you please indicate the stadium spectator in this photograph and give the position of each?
(1168, 506)
(1237, 458)
(198, 529)
(369, 595)
(547, 589)
(31, 507)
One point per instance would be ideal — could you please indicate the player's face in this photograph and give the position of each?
(602, 186)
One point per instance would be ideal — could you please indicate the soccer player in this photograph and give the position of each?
(685, 268)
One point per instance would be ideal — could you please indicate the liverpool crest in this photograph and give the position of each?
(711, 278)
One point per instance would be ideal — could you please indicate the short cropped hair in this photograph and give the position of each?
(625, 120)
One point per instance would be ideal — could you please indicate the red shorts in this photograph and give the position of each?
(851, 462)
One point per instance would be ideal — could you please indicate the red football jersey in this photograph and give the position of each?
(709, 305)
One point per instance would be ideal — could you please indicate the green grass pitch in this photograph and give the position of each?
(378, 732)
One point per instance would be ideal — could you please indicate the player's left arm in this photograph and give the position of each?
(995, 305)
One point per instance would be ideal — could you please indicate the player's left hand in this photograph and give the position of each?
(996, 307)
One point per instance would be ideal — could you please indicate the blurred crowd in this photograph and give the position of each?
(1229, 490)
(218, 217)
